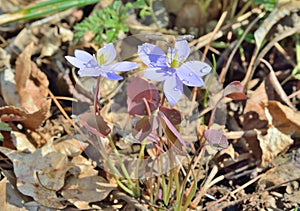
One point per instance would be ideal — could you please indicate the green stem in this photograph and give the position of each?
(42, 9)
(209, 83)
(123, 168)
(178, 192)
(152, 14)
(138, 165)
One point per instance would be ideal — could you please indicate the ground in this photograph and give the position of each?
(228, 141)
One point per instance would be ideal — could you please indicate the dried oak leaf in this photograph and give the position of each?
(284, 118)
(280, 174)
(82, 191)
(40, 174)
(254, 114)
(273, 143)
(29, 120)
(31, 83)
(85, 186)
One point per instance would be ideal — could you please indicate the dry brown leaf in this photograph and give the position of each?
(280, 174)
(273, 143)
(40, 174)
(51, 41)
(3, 193)
(274, 17)
(229, 151)
(8, 88)
(254, 114)
(33, 94)
(85, 186)
(21, 142)
(30, 121)
(259, 96)
(82, 191)
(70, 147)
(284, 118)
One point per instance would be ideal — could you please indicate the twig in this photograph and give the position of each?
(238, 44)
(235, 191)
(294, 94)
(129, 200)
(277, 86)
(207, 185)
(216, 29)
(255, 60)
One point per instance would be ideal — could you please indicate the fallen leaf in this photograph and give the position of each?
(284, 118)
(82, 191)
(8, 88)
(40, 174)
(33, 94)
(70, 147)
(21, 142)
(273, 143)
(29, 120)
(254, 114)
(85, 186)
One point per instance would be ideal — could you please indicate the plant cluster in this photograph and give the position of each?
(153, 118)
(107, 23)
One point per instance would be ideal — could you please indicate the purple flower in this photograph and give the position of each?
(100, 64)
(172, 68)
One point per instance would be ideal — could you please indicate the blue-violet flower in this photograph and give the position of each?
(100, 64)
(172, 68)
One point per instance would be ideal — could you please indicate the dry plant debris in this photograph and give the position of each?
(143, 133)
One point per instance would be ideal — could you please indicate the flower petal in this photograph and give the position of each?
(155, 74)
(199, 68)
(92, 72)
(74, 61)
(173, 89)
(83, 55)
(112, 76)
(187, 75)
(152, 55)
(106, 54)
(122, 66)
(182, 49)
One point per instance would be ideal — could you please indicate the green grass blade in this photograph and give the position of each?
(42, 9)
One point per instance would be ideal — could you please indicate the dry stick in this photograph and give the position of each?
(224, 70)
(255, 60)
(202, 41)
(294, 94)
(235, 191)
(129, 200)
(66, 98)
(217, 28)
(288, 58)
(65, 114)
(277, 86)
(206, 185)
(259, 193)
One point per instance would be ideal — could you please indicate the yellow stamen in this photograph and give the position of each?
(101, 59)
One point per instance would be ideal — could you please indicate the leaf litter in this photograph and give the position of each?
(245, 158)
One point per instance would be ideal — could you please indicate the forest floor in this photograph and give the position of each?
(132, 139)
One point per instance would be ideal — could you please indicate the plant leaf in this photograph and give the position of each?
(137, 91)
(216, 139)
(94, 124)
(172, 114)
(234, 90)
(166, 122)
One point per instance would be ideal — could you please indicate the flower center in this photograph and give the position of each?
(100, 59)
(174, 61)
